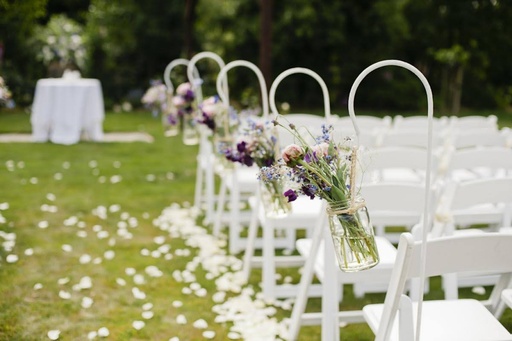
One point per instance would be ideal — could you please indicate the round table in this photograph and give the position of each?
(64, 109)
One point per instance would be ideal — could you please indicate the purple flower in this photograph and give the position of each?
(291, 195)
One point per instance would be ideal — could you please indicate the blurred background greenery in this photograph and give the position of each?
(461, 46)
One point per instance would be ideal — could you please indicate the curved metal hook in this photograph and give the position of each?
(430, 115)
(286, 73)
(222, 81)
(172, 65)
(191, 65)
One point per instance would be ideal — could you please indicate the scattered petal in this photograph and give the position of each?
(109, 254)
(92, 335)
(138, 325)
(43, 224)
(54, 334)
(84, 259)
(120, 282)
(62, 281)
(66, 248)
(181, 319)
(103, 332)
(177, 304)
(208, 334)
(478, 290)
(87, 302)
(64, 295)
(147, 314)
(29, 252)
(11, 258)
(38, 286)
(200, 324)
(147, 306)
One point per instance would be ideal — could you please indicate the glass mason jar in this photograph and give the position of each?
(275, 204)
(190, 134)
(170, 118)
(352, 235)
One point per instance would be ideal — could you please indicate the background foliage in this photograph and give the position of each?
(461, 46)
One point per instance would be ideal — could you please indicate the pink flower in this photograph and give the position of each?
(210, 110)
(178, 101)
(183, 89)
(210, 100)
(292, 154)
(321, 149)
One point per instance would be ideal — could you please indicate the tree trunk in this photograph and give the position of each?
(190, 18)
(266, 39)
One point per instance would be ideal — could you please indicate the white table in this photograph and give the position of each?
(63, 109)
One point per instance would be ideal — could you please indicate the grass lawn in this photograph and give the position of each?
(83, 223)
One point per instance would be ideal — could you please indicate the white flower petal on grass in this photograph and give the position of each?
(93, 164)
(38, 286)
(102, 179)
(114, 179)
(29, 252)
(120, 282)
(195, 286)
(66, 248)
(4, 206)
(478, 290)
(233, 336)
(147, 314)
(102, 234)
(66, 165)
(51, 197)
(138, 325)
(186, 291)
(153, 271)
(156, 254)
(33, 180)
(150, 177)
(12, 258)
(219, 296)
(109, 254)
(138, 294)
(145, 252)
(85, 282)
(85, 258)
(117, 164)
(81, 234)
(174, 338)
(43, 224)
(57, 176)
(139, 279)
(200, 324)
(62, 281)
(103, 332)
(114, 208)
(64, 295)
(97, 260)
(159, 240)
(87, 302)
(201, 292)
(130, 271)
(54, 334)
(147, 306)
(168, 256)
(208, 334)
(177, 304)
(92, 335)
(181, 319)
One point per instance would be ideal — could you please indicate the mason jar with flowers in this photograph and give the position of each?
(327, 170)
(183, 101)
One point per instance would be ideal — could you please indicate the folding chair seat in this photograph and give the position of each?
(464, 319)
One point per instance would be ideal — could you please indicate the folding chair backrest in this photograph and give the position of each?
(482, 191)
(452, 254)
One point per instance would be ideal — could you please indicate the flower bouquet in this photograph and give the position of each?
(223, 123)
(5, 94)
(155, 97)
(258, 146)
(183, 103)
(327, 170)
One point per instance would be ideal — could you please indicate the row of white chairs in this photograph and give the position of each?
(307, 214)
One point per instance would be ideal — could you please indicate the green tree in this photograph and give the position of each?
(18, 20)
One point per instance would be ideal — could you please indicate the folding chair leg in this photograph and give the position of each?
(330, 296)
(305, 281)
(220, 209)
(251, 240)
(269, 265)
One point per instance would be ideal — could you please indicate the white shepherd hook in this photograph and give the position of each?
(430, 114)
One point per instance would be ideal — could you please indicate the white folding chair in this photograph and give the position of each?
(464, 319)
(418, 123)
(205, 179)
(305, 212)
(460, 139)
(473, 123)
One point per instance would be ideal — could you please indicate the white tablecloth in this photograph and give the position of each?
(63, 109)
